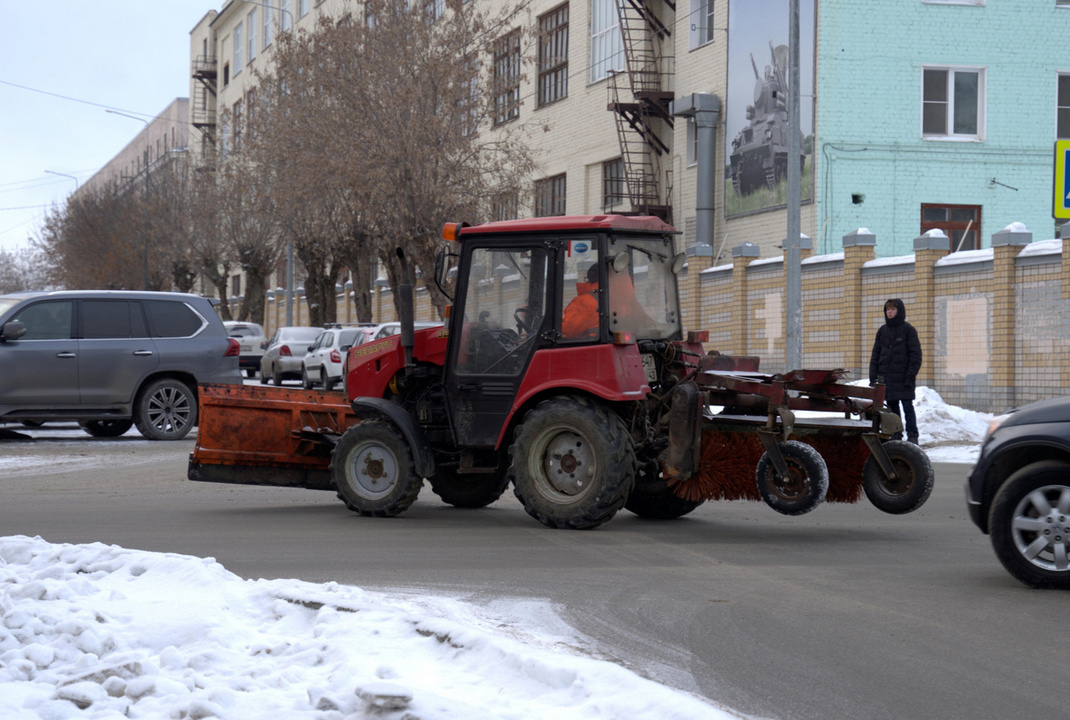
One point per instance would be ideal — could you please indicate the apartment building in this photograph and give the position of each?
(160, 142)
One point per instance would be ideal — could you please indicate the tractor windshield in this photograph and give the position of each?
(643, 297)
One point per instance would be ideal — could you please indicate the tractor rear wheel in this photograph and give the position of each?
(804, 487)
(573, 463)
(373, 470)
(913, 479)
(468, 491)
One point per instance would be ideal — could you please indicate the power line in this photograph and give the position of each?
(66, 97)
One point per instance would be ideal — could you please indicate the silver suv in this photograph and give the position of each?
(111, 359)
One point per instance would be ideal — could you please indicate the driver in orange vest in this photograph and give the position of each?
(581, 315)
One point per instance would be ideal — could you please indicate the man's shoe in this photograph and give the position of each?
(913, 439)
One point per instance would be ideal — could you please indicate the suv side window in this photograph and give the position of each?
(112, 319)
(50, 320)
(171, 319)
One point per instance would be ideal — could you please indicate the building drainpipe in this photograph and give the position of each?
(705, 109)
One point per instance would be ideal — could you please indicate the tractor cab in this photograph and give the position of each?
(552, 303)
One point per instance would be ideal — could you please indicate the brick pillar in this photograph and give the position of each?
(1006, 244)
(742, 255)
(858, 249)
(1064, 235)
(699, 258)
(928, 248)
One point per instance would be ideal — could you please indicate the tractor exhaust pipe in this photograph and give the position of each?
(405, 307)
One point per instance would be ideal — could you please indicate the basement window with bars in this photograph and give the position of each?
(553, 55)
(612, 183)
(550, 196)
(507, 77)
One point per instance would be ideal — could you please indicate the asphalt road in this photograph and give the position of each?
(842, 613)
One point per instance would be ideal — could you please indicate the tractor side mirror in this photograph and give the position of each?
(620, 262)
(445, 270)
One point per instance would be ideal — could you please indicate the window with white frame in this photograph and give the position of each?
(1062, 3)
(251, 24)
(302, 8)
(286, 17)
(701, 23)
(239, 45)
(269, 20)
(1062, 106)
(953, 103)
(607, 46)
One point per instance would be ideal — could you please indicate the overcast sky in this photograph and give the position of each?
(62, 64)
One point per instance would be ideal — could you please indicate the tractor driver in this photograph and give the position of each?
(581, 316)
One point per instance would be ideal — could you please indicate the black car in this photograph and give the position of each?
(1019, 492)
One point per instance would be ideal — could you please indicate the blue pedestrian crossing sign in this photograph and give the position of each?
(1061, 181)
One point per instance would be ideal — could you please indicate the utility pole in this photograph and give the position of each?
(792, 249)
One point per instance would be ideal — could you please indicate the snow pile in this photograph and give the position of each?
(942, 424)
(97, 631)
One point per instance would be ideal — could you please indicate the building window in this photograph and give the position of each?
(507, 77)
(701, 22)
(226, 75)
(953, 102)
(286, 18)
(553, 55)
(504, 207)
(550, 196)
(269, 19)
(1062, 106)
(235, 286)
(238, 44)
(607, 47)
(434, 9)
(237, 121)
(961, 223)
(251, 25)
(612, 183)
(302, 8)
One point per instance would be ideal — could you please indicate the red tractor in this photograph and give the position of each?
(563, 370)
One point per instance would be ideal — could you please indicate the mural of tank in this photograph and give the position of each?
(760, 150)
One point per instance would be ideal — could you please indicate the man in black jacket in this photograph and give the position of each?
(895, 361)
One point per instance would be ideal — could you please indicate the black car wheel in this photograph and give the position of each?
(1030, 524)
(165, 410)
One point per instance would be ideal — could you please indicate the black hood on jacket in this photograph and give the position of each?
(900, 315)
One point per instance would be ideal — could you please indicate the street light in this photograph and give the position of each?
(72, 177)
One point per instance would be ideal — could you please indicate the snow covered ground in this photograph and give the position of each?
(96, 631)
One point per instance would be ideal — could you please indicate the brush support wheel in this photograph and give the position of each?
(913, 479)
(805, 485)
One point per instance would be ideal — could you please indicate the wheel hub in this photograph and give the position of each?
(1042, 528)
(568, 465)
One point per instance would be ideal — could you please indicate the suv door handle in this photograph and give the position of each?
(143, 352)
(66, 355)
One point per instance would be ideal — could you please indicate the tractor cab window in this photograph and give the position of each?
(581, 297)
(504, 307)
(642, 291)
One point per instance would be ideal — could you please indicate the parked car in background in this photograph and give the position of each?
(111, 359)
(284, 353)
(382, 330)
(250, 337)
(1019, 492)
(323, 363)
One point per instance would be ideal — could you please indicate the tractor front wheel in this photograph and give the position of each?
(573, 463)
(373, 470)
(805, 485)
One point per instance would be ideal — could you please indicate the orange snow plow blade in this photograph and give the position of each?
(259, 435)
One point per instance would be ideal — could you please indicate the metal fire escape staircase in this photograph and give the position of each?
(641, 105)
(203, 112)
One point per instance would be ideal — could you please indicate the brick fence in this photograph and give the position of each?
(994, 324)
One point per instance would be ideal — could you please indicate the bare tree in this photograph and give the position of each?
(22, 270)
(374, 127)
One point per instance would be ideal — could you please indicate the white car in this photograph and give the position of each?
(322, 365)
(251, 339)
(285, 353)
